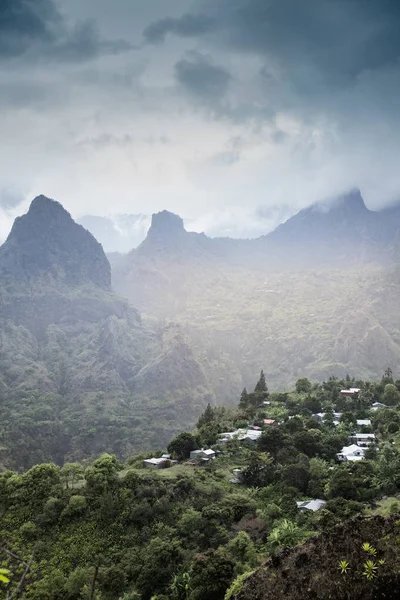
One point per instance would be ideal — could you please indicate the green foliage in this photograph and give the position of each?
(303, 385)
(187, 533)
(182, 445)
(4, 576)
(237, 585)
(287, 533)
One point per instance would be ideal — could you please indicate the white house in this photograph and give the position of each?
(202, 454)
(377, 406)
(351, 392)
(320, 417)
(361, 422)
(351, 453)
(313, 505)
(157, 463)
(248, 435)
(362, 439)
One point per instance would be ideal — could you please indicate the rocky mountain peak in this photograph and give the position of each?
(166, 224)
(46, 242)
(351, 204)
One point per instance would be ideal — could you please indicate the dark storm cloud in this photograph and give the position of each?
(186, 26)
(202, 78)
(339, 38)
(37, 28)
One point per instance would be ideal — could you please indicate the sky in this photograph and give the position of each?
(232, 113)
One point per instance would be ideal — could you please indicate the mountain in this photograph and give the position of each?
(316, 296)
(80, 373)
(335, 233)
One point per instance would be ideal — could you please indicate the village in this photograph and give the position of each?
(359, 440)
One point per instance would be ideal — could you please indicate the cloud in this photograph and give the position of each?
(200, 77)
(188, 25)
(36, 29)
(10, 199)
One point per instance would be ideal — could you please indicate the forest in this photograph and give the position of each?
(197, 530)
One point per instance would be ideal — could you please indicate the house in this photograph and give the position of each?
(352, 453)
(378, 405)
(157, 463)
(320, 417)
(202, 454)
(351, 392)
(362, 422)
(269, 421)
(313, 505)
(248, 435)
(362, 439)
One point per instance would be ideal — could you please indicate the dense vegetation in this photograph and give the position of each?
(80, 373)
(187, 532)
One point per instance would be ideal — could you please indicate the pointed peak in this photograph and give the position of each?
(350, 202)
(47, 242)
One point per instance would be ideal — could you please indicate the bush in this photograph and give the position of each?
(76, 506)
(28, 530)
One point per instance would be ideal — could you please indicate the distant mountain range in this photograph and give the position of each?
(340, 227)
(82, 371)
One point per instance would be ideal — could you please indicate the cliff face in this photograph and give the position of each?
(47, 245)
(80, 373)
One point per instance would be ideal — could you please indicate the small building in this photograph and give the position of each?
(362, 439)
(363, 422)
(351, 453)
(313, 505)
(157, 463)
(269, 421)
(267, 403)
(202, 454)
(351, 392)
(378, 405)
(243, 435)
(237, 475)
(321, 417)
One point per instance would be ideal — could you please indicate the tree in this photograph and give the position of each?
(296, 476)
(71, 473)
(261, 386)
(259, 471)
(244, 399)
(160, 560)
(182, 445)
(309, 442)
(303, 385)
(212, 573)
(102, 476)
(342, 485)
(272, 440)
(391, 395)
(393, 427)
(207, 417)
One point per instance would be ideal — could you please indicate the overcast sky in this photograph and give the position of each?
(232, 113)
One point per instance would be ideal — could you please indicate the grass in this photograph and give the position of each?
(383, 506)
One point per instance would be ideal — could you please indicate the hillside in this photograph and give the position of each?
(80, 373)
(275, 514)
(317, 296)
